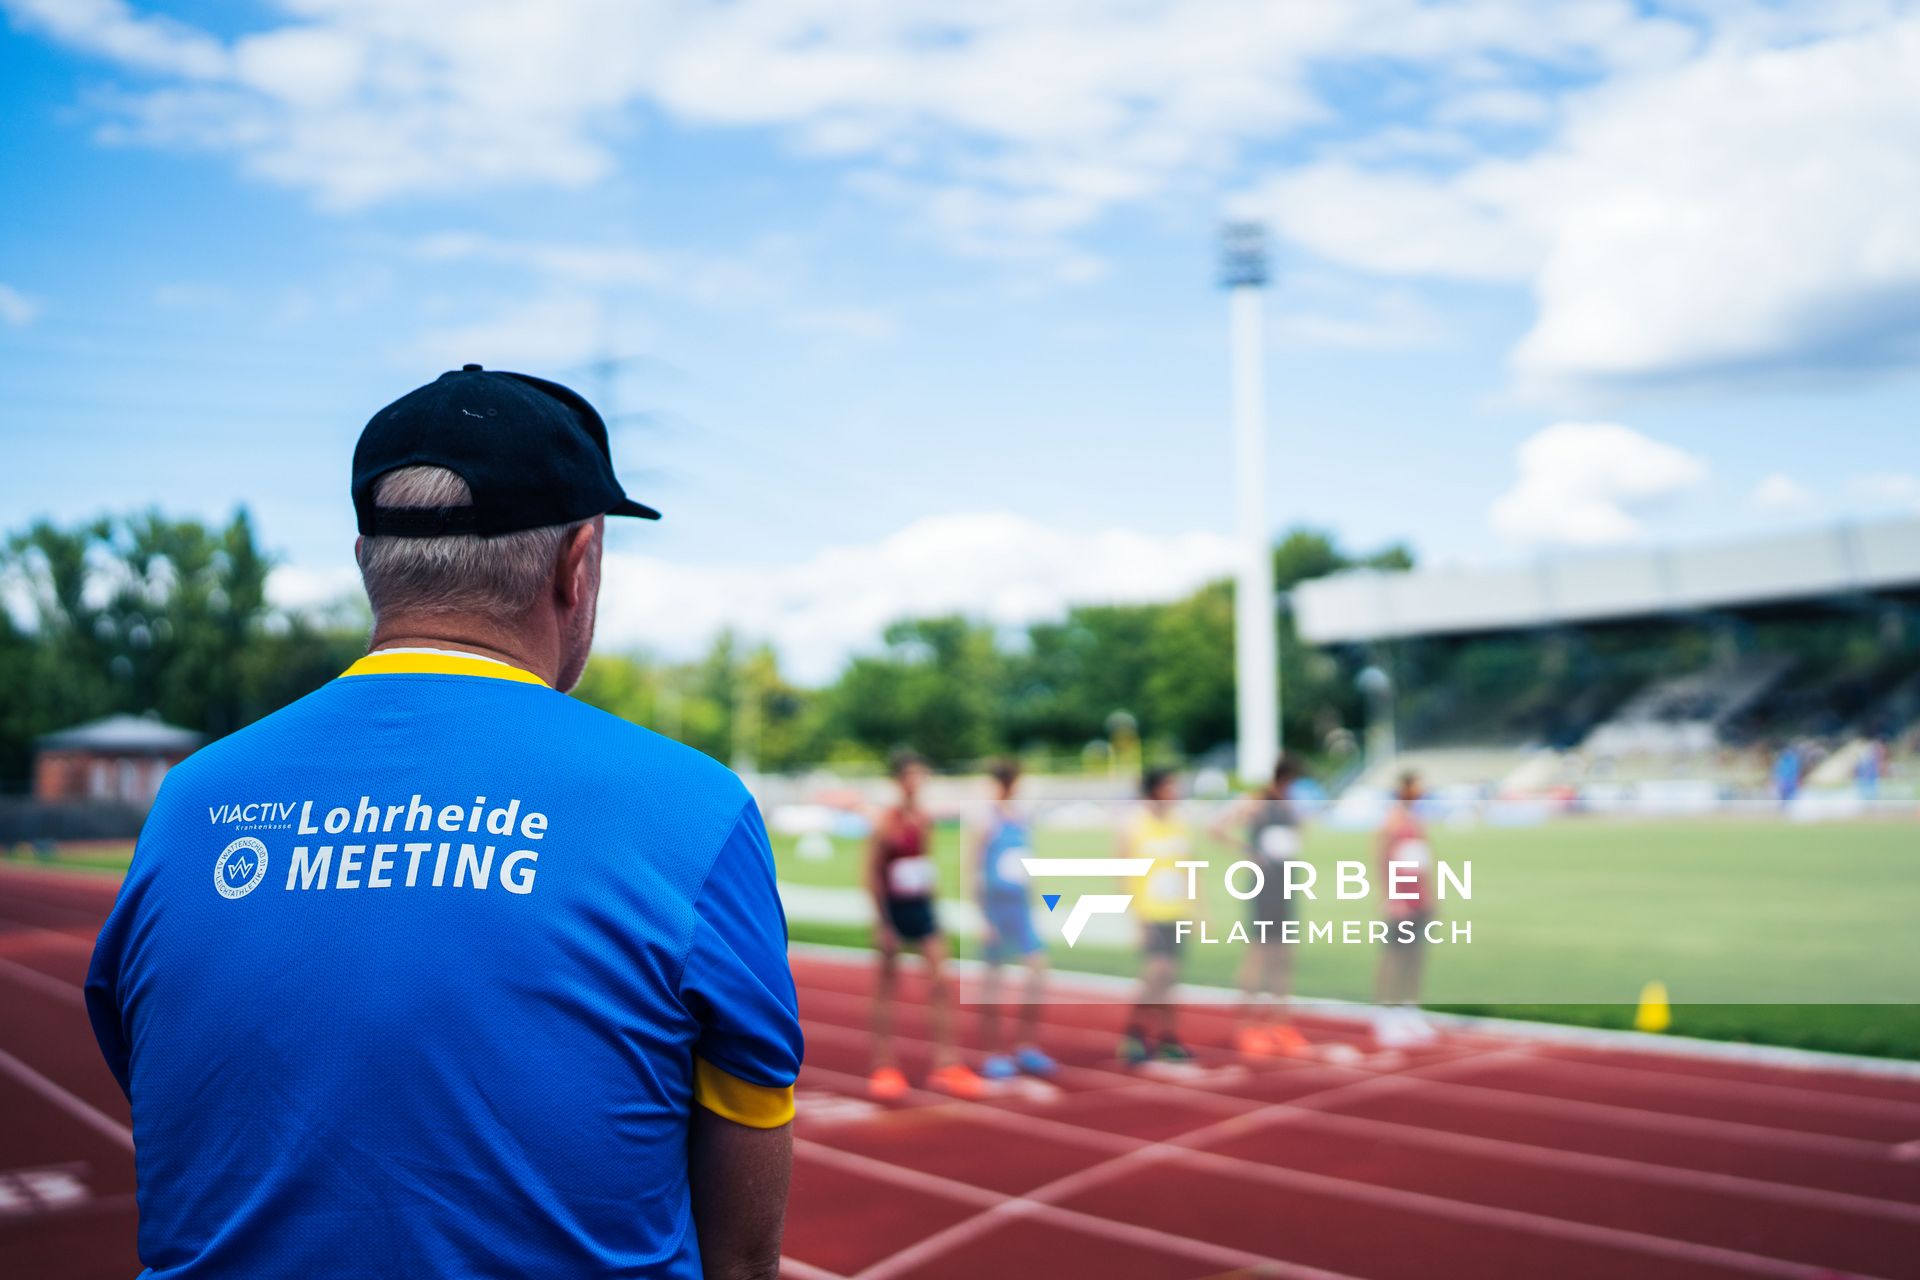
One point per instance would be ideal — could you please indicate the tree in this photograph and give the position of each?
(145, 614)
(935, 688)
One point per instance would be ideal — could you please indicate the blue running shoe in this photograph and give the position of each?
(1034, 1062)
(999, 1067)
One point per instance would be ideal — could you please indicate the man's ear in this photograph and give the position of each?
(358, 542)
(576, 564)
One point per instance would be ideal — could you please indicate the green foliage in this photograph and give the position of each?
(144, 614)
(732, 703)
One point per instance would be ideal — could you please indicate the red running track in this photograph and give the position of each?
(1476, 1156)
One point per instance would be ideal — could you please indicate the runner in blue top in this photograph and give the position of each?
(438, 972)
(1006, 905)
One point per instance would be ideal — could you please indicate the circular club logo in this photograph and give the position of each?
(242, 866)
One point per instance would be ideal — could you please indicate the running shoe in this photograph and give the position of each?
(887, 1085)
(1396, 1029)
(957, 1080)
(1034, 1062)
(1255, 1042)
(1286, 1039)
(1133, 1049)
(999, 1067)
(1171, 1050)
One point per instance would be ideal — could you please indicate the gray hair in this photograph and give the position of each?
(501, 577)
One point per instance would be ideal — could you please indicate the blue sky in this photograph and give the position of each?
(920, 309)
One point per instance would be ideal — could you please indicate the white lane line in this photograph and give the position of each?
(79, 1108)
(1609, 1113)
(1792, 1095)
(1129, 1153)
(952, 1238)
(806, 1270)
(1311, 1109)
(41, 936)
(59, 988)
(1620, 1167)
(1006, 1208)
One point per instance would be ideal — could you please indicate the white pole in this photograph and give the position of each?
(1256, 671)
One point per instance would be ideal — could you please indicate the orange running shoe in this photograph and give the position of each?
(1255, 1042)
(887, 1085)
(957, 1080)
(1286, 1039)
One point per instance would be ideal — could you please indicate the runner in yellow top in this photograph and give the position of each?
(1160, 901)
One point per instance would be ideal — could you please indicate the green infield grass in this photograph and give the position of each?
(1763, 931)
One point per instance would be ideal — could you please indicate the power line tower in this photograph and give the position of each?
(1243, 273)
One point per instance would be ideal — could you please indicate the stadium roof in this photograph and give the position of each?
(133, 735)
(1775, 570)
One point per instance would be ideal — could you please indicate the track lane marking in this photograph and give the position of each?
(59, 988)
(75, 1106)
(1682, 1083)
(1128, 1153)
(1312, 1108)
(1006, 1208)
(1749, 1132)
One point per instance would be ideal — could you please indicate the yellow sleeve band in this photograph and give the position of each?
(757, 1106)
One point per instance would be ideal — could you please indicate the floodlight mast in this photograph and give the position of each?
(1243, 273)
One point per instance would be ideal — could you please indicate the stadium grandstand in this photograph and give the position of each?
(1659, 678)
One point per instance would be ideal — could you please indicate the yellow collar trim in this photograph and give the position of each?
(438, 664)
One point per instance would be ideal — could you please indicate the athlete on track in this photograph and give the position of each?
(1156, 831)
(1403, 848)
(501, 988)
(903, 879)
(1272, 840)
(1006, 904)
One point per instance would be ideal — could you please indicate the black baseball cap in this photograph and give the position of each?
(533, 452)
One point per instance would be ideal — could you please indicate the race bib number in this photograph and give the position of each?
(1167, 885)
(1414, 851)
(911, 877)
(1010, 867)
(1279, 843)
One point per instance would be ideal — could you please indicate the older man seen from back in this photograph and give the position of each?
(438, 972)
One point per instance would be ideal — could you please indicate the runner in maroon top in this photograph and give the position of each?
(903, 878)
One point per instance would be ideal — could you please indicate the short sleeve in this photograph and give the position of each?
(738, 985)
(103, 1001)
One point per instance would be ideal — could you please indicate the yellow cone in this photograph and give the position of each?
(1654, 1014)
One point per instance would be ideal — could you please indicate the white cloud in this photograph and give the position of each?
(111, 29)
(17, 310)
(1707, 198)
(995, 565)
(1012, 119)
(1583, 484)
(302, 589)
(1888, 489)
(1781, 495)
(1746, 211)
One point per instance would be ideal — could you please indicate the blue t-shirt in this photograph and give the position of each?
(1004, 880)
(423, 975)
